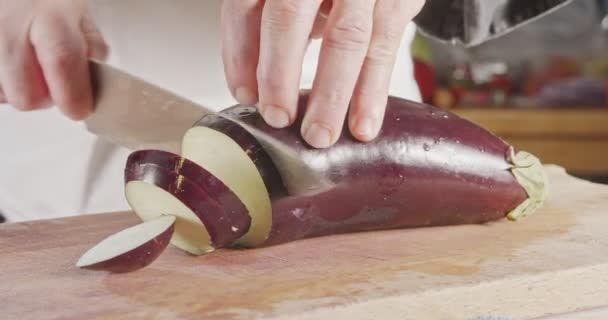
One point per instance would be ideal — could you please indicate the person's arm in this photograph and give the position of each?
(471, 22)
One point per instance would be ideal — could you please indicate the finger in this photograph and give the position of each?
(325, 8)
(97, 48)
(285, 31)
(21, 78)
(321, 20)
(371, 93)
(318, 26)
(240, 47)
(62, 51)
(345, 42)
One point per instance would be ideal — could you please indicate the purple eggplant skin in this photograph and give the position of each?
(426, 168)
(138, 257)
(216, 189)
(223, 229)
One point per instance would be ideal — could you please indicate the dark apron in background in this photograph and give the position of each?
(472, 22)
(574, 29)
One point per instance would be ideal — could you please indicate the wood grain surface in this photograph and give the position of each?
(574, 138)
(570, 122)
(553, 262)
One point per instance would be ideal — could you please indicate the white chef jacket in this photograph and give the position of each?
(52, 167)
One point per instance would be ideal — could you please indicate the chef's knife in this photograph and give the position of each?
(135, 114)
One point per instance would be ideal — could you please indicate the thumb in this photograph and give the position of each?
(97, 48)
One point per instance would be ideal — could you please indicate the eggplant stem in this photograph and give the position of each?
(531, 175)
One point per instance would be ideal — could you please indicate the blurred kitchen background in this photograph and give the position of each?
(542, 87)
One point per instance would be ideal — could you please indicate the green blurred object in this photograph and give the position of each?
(421, 50)
(597, 67)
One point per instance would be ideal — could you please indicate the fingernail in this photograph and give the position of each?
(365, 129)
(276, 117)
(245, 96)
(318, 135)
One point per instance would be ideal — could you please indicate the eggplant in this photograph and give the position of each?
(427, 167)
(202, 224)
(130, 249)
(269, 173)
(233, 207)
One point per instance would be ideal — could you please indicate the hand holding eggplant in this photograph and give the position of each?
(264, 43)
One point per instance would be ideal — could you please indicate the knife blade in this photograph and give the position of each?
(136, 114)
(133, 113)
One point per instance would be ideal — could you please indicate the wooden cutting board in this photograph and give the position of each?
(555, 261)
